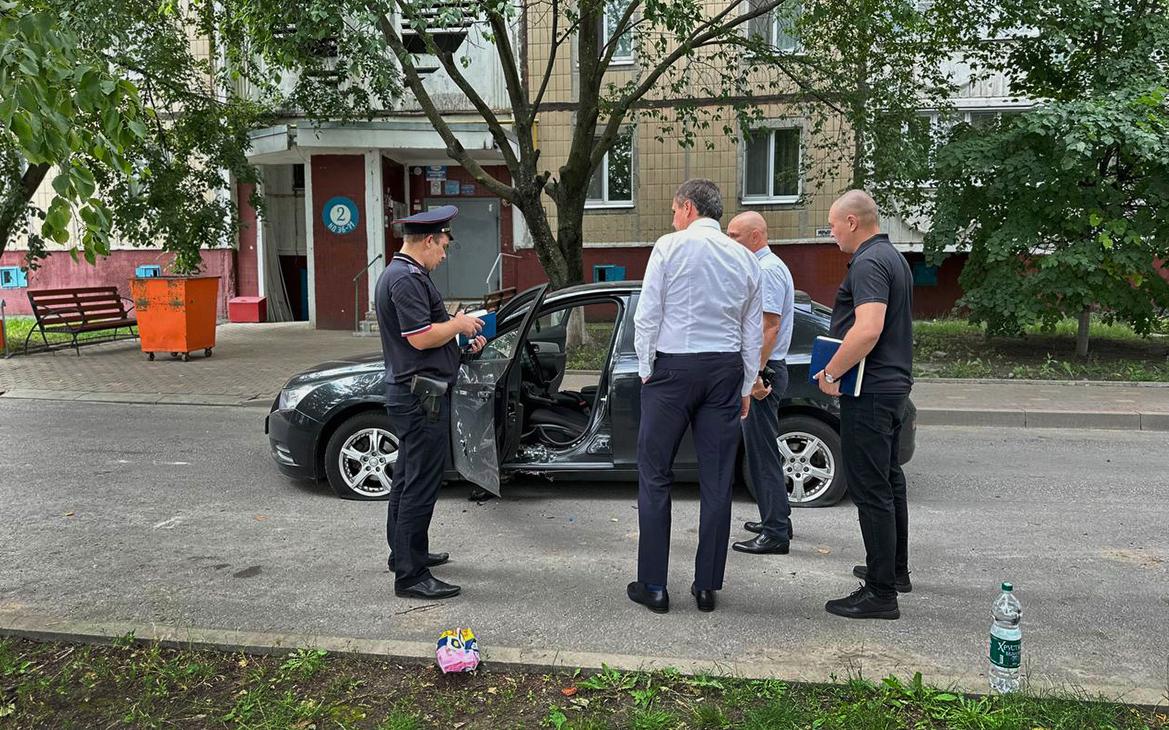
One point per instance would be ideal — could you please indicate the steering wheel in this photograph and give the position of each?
(531, 351)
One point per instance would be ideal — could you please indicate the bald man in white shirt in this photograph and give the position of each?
(698, 338)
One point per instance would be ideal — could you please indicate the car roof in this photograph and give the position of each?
(629, 287)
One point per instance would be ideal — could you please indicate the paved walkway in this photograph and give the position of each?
(252, 362)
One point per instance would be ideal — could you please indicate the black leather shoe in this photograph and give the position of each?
(704, 599)
(863, 603)
(432, 559)
(656, 601)
(431, 588)
(761, 544)
(900, 582)
(757, 528)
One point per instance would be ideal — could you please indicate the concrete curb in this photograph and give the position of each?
(166, 399)
(926, 416)
(792, 668)
(1015, 381)
(1024, 418)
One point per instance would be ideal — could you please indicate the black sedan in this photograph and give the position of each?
(554, 394)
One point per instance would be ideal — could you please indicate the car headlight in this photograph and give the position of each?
(289, 397)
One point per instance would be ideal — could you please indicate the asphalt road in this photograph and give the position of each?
(175, 515)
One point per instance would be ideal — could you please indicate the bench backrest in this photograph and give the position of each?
(75, 307)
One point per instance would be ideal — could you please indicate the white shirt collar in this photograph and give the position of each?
(761, 253)
(705, 223)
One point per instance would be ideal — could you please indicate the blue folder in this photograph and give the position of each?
(822, 351)
(488, 330)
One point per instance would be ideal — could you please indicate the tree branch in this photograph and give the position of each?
(549, 66)
(452, 68)
(454, 148)
(507, 58)
(622, 26)
(703, 33)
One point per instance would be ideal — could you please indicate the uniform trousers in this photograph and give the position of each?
(423, 447)
(699, 391)
(764, 464)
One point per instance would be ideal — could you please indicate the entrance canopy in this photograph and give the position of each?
(408, 141)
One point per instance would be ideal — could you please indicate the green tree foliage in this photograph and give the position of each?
(137, 131)
(1065, 208)
(869, 68)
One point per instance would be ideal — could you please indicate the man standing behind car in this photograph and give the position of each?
(697, 338)
(422, 360)
(761, 427)
(873, 315)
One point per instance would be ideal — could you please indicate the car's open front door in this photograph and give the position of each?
(486, 414)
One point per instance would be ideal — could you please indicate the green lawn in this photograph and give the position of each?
(144, 686)
(18, 328)
(954, 348)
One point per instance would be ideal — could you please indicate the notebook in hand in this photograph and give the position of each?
(822, 351)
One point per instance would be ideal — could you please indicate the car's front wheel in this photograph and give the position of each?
(810, 460)
(360, 457)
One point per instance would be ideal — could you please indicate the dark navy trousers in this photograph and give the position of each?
(423, 446)
(699, 391)
(765, 465)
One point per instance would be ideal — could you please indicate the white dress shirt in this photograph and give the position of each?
(701, 293)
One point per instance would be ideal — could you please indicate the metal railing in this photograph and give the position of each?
(4, 329)
(498, 265)
(357, 292)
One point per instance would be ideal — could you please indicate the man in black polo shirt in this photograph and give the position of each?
(873, 316)
(419, 341)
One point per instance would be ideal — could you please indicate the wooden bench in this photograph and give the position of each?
(77, 311)
(495, 299)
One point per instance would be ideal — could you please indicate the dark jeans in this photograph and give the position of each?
(699, 391)
(417, 477)
(760, 432)
(870, 432)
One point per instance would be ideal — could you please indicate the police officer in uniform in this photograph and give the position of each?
(422, 360)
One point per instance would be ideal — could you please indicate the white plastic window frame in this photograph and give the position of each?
(771, 198)
(612, 6)
(603, 202)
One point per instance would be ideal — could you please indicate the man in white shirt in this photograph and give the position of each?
(761, 427)
(698, 336)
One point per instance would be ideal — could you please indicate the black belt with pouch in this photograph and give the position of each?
(430, 393)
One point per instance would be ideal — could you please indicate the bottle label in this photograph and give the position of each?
(1005, 653)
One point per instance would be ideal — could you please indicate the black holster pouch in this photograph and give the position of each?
(768, 376)
(430, 393)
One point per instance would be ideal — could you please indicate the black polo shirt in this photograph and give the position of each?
(408, 303)
(878, 272)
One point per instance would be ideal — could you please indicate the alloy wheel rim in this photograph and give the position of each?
(366, 461)
(808, 466)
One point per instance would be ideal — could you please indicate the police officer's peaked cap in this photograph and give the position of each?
(433, 221)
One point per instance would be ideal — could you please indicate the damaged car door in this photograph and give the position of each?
(485, 406)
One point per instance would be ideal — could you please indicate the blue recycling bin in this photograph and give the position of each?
(608, 272)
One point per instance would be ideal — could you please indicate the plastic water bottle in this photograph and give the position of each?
(1006, 639)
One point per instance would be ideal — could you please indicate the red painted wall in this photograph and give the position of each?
(420, 190)
(816, 269)
(246, 264)
(338, 258)
(60, 271)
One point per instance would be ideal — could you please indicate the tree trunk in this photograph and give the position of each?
(14, 207)
(1082, 332)
(547, 250)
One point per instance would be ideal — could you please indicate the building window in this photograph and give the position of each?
(614, 11)
(771, 166)
(777, 28)
(612, 184)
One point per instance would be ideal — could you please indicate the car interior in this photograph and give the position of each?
(558, 405)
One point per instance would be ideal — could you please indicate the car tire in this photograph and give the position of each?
(798, 433)
(365, 435)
